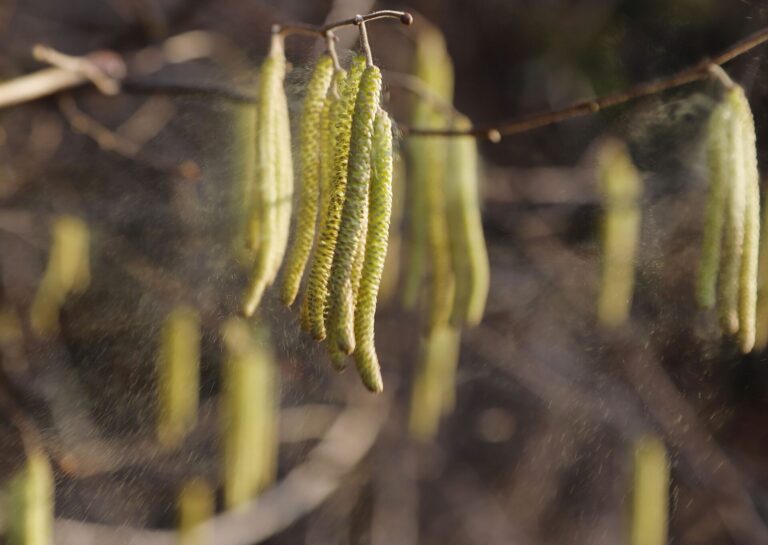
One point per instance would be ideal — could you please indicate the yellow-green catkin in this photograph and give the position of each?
(717, 162)
(620, 190)
(390, 276)
(67, 272)
(284, 201)
(341, 118)
(761, 318)
(751, 243)
(196, 506)
(327, 147)
(249, 414)
(377, 236)
(310, 135)
(271, 172)
(31, 503)
(426, 161)
(244, 172)
(353, 224)
(650, 493)
(468, 249)
(433, 392)
(734, 223)
(178, 376)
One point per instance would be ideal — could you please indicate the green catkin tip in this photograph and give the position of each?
(354, 211)
(716, 151)
(341, 119)
(67, 272)
(31, 503)
(310, 133)
(468, 250)
(271, 173)
(249, 407)
(650, 493)
(178, 376)
(729, 280)
(377, 236)
(196, 505)
(620, 188)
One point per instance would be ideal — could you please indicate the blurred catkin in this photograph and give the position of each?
(196, 505)
(178, 376)
(31, 502)
(67, 272)
(468, 250)
(249, 405)
(621, 189)
(650, 493)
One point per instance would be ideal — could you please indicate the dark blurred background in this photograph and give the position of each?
(537, 449)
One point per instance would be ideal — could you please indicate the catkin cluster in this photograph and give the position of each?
(729, 258)
(344, 210)
(447, 271)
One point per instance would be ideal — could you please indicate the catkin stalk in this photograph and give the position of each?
(309, 136)
(650, 493)
(377, 236)
(271, 172)
(30, 503)
(468, 251)
(354, 212)
(178, 376)
(341, 118)
(620, 187)
(249, 415)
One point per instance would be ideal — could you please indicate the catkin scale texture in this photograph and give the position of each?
(353, 213)
(341, 118)
(309, 151)
(267, 170)
(377, 236)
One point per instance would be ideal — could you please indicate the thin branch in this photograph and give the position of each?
(322, 30)
(699, 71)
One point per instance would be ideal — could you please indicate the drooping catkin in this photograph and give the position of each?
(390, 276)
(178, 376)
(426, 158)
(620, 189)
(761, 318)
(433, 391)
(717, 163)
(244, 169)
(377, 236)
(196, 505)
(271, 172)
(310, 138)
(67, 272)
(751, 245)
(344, 335)
(327, 147)
(354, 211)
(733, 229)
(317, 282)
(249, 414)
(468, 251)
(31, 503)
(284, 202)
(650, 493)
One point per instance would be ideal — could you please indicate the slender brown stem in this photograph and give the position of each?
(699, 71)
(315, 30)
(366, 43)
